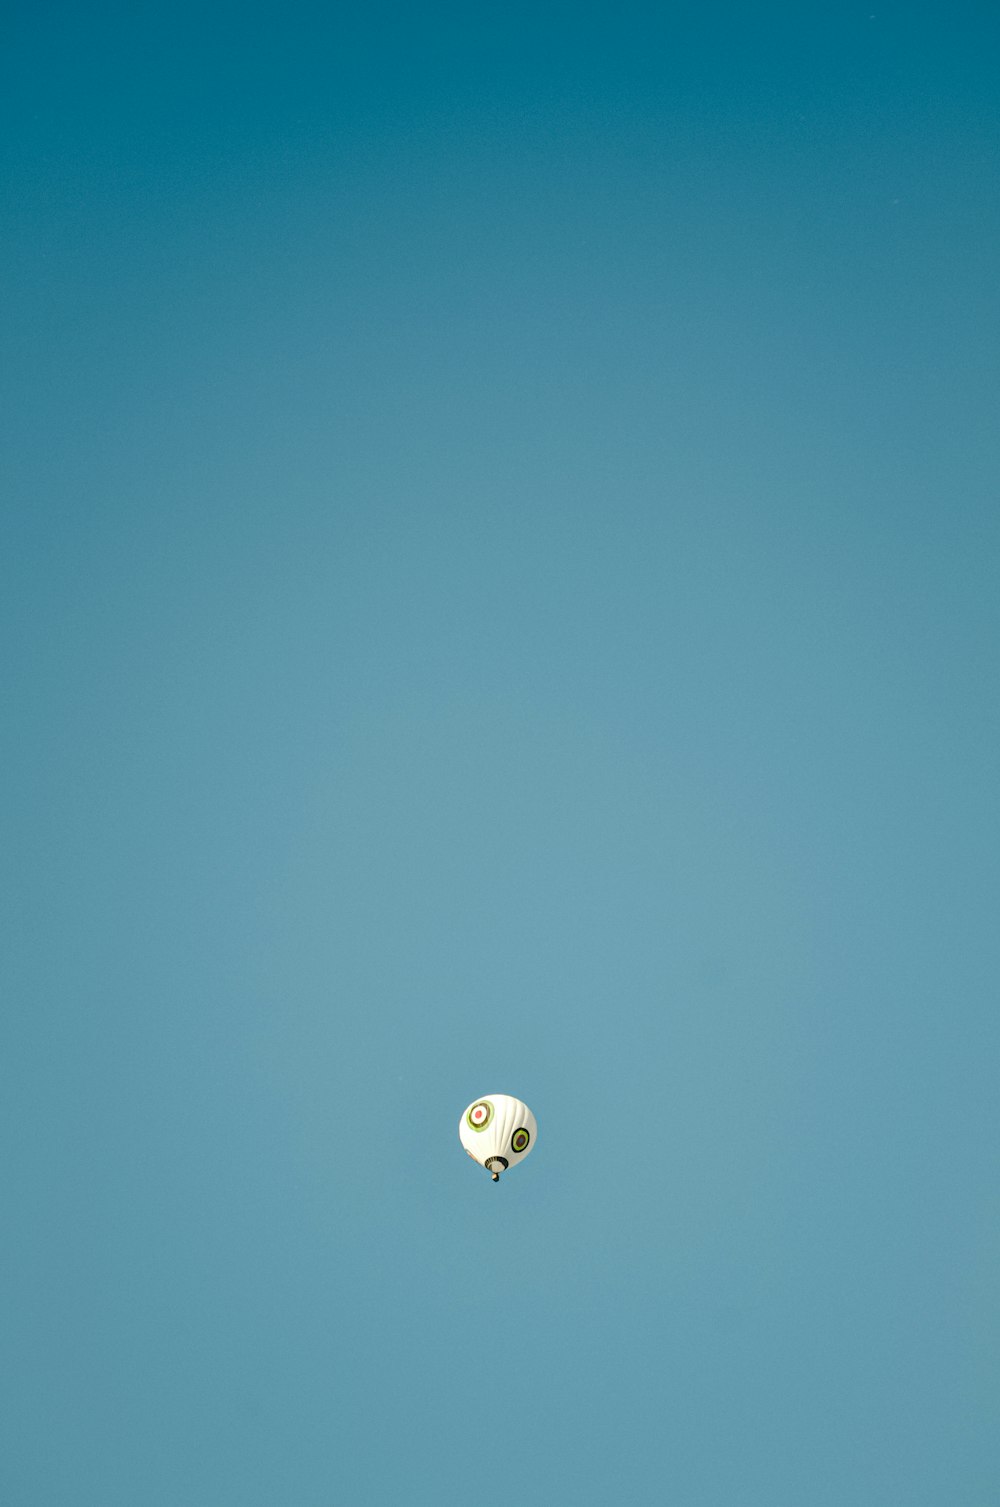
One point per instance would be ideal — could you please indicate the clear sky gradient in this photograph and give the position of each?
(499, 584)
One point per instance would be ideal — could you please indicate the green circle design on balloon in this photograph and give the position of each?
(480, 1115)
(520, 1140)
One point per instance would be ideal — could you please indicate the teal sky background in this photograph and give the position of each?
(499, 585)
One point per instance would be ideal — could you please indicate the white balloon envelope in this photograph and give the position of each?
(497, 1131)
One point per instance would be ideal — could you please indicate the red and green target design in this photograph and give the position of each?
(520, 1140)
(480, 1115)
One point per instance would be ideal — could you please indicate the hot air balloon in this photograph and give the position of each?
(497, 1132)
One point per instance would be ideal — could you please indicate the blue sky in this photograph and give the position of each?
(498, 575)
